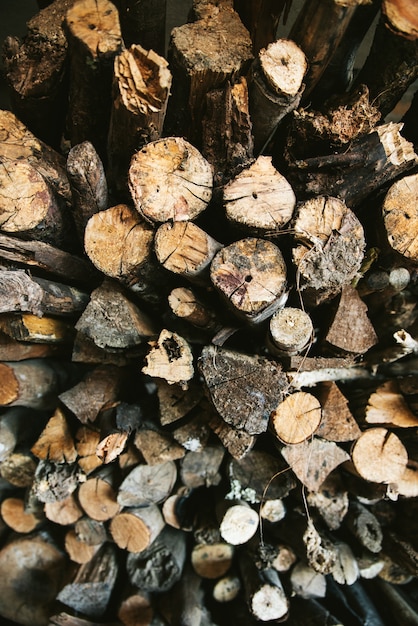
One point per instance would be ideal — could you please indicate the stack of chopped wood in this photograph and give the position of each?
(208, 317)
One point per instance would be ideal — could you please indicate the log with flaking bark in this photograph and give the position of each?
(290, 332)
(97, 496)
(94, 39)
(186, 250)
(318, 31)
(296, 418)
(264, 591)
(112, 320)
(200, 61)
(36, 72)
(22, 292)
(170, 358)
(391, 66)
(237, 442)
(187, 305)
(379, 456)
(202, 468)
(159, 566)
(259, 199)
(88, 184)
(56, 443)
(227, 141)
(100, 386)
(53, 482)
(330, 500)
(90, 591)
(365, 526)
(147, 485)
(141, 87)
(35, 383)
(19, 517)
(78, 551)
(369, 162)
(330, 248)
(32, 571)
(170, 180)
(387, 407)
(250, 275)
(400, 217)
(244, 389)
(338, 423)
(275, 87)
(313, 461)
(238, 521)
(350, 329)
(34, 329)
(135, 529)
(144, 23)
(194, 434)
(63, 512)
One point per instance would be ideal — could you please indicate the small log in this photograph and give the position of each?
(306, 583)
(144, 23)
(361, 522)
(19, 426)
(94, 39)
(194, 434)
(237, 442)
(330, 248)
(250, 275)
(310, 612)
(243, 389)
(259, 199)
(290, 332)
(226, 588)
(147, 484)
(170, 358)
(159, 566)
(113, 321)
(275, 87)
(141, 87)
(202, 468)
(136, 609)
(97, 496)
(34, 383)
(63, 512)
(15, 514)
(88, 184)
(400, 217)
(156, 446)
(90, 591)
(212, 560)
(34, 329)
(272, 510)
(284, 558)
(200, 62)
(264, 591)
(379, 456)
(188, 306)
(338, 423)
(136, 529)
(296, 418)
(55, 442)
(170, 180)
(19, 469)
(238, 523)
(313, 461)
(346, 570)
(13, 350)
(35, 567)
(185, 249)
(78, 551)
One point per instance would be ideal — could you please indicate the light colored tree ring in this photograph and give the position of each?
(297, 417)
(14, 515)
(284, 66)
(400, 216)
(379, 456)
(9, 388)
(98, 499)
(212, 561)
(291, 329)
(175, 253)
(129, 532)
(239, 524)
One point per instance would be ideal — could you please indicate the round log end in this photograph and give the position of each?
(9, 389)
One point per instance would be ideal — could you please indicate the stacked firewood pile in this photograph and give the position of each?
(208, 320)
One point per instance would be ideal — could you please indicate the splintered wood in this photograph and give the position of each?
(208, 316)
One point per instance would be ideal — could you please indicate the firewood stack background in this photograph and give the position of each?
(208, 320)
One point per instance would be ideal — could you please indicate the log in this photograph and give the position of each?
(399, 217)
(264, 591)
(226, 588)
(338, 423)
(250, 275)
(63, 512)
(31, 328)
(330, 500)
(202, 468)
(296, 418)
(19, 469)
(157, 446)
(379, 456)
(364, 526)
(290, 332)
(20, 519)
(275, 86)
(170, 180)
(54, 482)
(306, 583)
(91, 532)
(261, 18)
(237, 442)
(87, 441)
(144, 23)
(94, 39)
(212, 561)
(55, 443)
(146, 485)
(135, 529)
(78, 551)
(98, 497)
(19, 426)
(187, 305)
(174, 402)
(170, 358)
(141, 87)
(238, 523)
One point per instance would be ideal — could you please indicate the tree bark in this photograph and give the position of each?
(144, 23)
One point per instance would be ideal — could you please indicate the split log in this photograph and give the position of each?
(157, 446)
(170, 358)
(94, 39)
(78, 551)
(200, 62)
(135, 529)
(338, 423)
(87, 441)
(187, 305)
(185, 249)
(194, 434)
(237, 442)
(275, 86)
(400, 217)
(290, 332)
(141, 87)
(147, 484)
(33, 566)
(296, 418)
(364, 526)
(259, 199)
(244, 389)
(330, 247)
(90, 591)
(159, 566)
(13, 350)
(63, 512)
(88, 184)
(18, 516)
(55, 443)
(174, 402)
(250, 275)
(170, 180)
(143, 23)
(387, 407)
(264, 591)
(36, 72)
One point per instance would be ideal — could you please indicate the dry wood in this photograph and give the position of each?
(338, 423)
(227, 588)
(379, 456)
(56, 442)
(296, 418)
(275, 88)
(400, 217)
(261, 18)
(88, 183)
(346, 570)
(170, 180)
(187, 305)
(174, 402)
(19, 468)
(185, 249)
(387, 407)
(290, 332)
(364, 526)
(250, 275)
(212, 560)
(63, 512)
(92, 532)
(87, 441)
(147, 484)
(238, 523)
(200, 61)
(78, 551)
(330, 500)
(136, 610)
(244, 389)
(402, 16)
(32, 571)
(264, 591)
(156, 446)
(14, 513)
(259, 199)
(34, 329)
(135, 529)
(141, 86)
(144, 23)
(202, 468)
(97, 496)
(170, 358)
(19, 426)
(55, 482)
(90, 590)
(94, 39)
(194, 434)
(307, 583)
(237, 442)
(13, 350)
